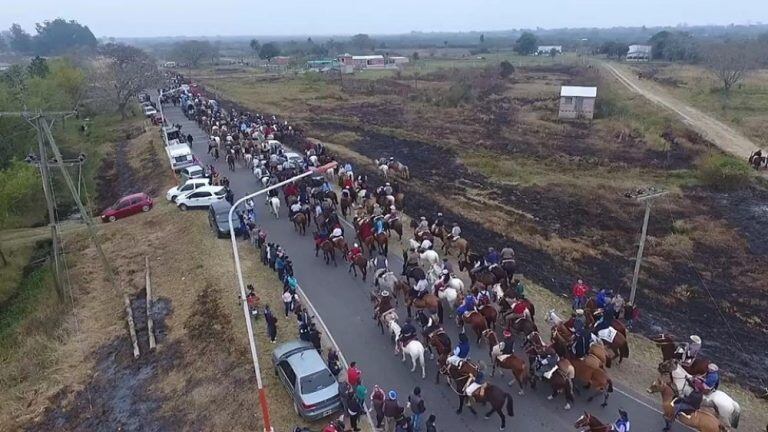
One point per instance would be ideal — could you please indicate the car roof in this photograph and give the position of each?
(292, 154)
(306, 362)
(193, 167)
(209, 188)
(220, 207)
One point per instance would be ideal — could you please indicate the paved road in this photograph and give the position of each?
(343, 302)
(725, 137)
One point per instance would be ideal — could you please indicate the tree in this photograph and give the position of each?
(129, 72)
(269, 51)
(526, 44)
(19, 195)
(192, 52)
(729, 62)
(20, 40)
(362, 41)
(255, 46)
(506, 69)
(674, 46)
(482, 38)
(3, 44)
(38, 67)
(613, 49)
(15, 78)
(58, 36)
(415, 55)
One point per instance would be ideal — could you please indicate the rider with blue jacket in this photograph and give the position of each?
(467, 306)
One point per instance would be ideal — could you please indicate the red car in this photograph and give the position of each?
(127, 206)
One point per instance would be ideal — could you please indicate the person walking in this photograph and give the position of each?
(392, 411)
(416, 405)
(431, 423)
(354, 409)
(271, 321)
(354, 375)
(377, 400)
(361, 392)
(334, 364)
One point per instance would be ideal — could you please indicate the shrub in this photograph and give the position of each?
(724, 172)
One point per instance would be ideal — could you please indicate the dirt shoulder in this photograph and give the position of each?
(725, 137)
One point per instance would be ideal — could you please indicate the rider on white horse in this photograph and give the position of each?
(387, 189)
(381, 266)
(423, 225)
(392, 216)
(689, 351)
(421, 288)
(294, 210)
(455, 232)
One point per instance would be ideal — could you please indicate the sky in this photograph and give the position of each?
(136, 18)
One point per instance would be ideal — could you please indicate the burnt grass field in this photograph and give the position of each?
(567, 217)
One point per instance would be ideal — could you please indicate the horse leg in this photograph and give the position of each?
(461, 404)
(352, 269)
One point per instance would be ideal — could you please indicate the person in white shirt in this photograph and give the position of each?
(455, 232)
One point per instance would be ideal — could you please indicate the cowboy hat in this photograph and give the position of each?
(695, 339)
(385, 293)
(507, 333)
(579, 311)
(713, 367)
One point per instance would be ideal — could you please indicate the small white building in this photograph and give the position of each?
(577, 102)
(639, 53)
(547, 49)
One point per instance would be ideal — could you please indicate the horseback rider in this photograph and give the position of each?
(423, 225)
(581, 343)
(492, 257)
(606, 318)
(421, 288)
(325, 187)
(411, 260)
(519, 288)
(381, 266)
(546, 363)
(378, 224)
(426, 245)
(384, 304)
(507, 254)
(467, 306)
(294, 210)
(622, 423)
(518, 310)
(689, 351)
(442, 283)
(508, 344)
(337, 233)
(354, 252)
(392, 216)
(579, 321)
(690, 403)
(460, 352)
(407, 333)
(455, 232)
(711, 380)
(483, 297)
(602, 298)
(438, 223)
(387, 189)
(476, 383)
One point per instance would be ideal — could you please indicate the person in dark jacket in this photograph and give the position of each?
(354, 409)
(687, 405)
(392, 410)
(271, 321)
(416, 403)
(431, 423)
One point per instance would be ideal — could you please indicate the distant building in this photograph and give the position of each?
(577, 102)
(547, 49)
(281, 60)
(374, 61)
(639, 53)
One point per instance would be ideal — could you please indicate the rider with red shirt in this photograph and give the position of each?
(355, 251)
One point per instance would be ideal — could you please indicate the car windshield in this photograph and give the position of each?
(220, 192)
(224, 218)
(316, 381)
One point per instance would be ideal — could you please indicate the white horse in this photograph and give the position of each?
(248, 159)
(314, 161)
(414, 349)
(384, 170)
(274, 205)
(429, 258)
(728, 410)
(265, 180)
(450, 293)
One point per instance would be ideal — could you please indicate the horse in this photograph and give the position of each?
(383, 310)
(591, 423)
(477, 323)
(345, 203)
(274, 206)
(596, 357)
(458, 379)
(300, 223)
(414, 349)
(415, 273)
(490, 314)
(382, 242)
(700, 420)
(561, 380)
(384, 168)
(511, 362)
(329, 253)
(397, 226)
(429, 258)
(591, 377)
(428, 301)
(727, 409)
(360, 262)
(231, 161)
(450, 292)
(341, 244)
(461, 244)
(400, 168)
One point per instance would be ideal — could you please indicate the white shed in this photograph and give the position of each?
(577, 102)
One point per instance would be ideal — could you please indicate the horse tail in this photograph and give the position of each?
(624, 350)
(440, 309)
(610, 386)
(735, 415)
(510, 404)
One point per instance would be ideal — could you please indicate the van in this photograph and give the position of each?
(180, 156)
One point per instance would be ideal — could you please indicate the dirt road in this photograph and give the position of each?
(712, 129)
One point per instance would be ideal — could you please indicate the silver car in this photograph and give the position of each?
(305, 375)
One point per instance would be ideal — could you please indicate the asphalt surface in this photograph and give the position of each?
(344, 305)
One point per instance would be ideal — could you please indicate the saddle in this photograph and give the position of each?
(468, 314)
(607, 334)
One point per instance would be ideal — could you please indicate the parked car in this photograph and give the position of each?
(149, 111)
(314, 390)
(186, 186)
(201, 197)
(126, 206)
(180, 156)
(295, 159)
(192, 172)
(218, 219)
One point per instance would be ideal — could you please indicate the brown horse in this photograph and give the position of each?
(667, 344)
(476, 322)
(383, 311)
(345, 203)
(461, 244)
(440, 341)
(700, 420)
(300, 223)
(511, 362)
(341, 244)
(429, 302)
(358, 261)
(561, 380)
(597, 356)
(399, 199)
(397, 226)
(523, 326)
(459, 378)
(490, 314)
(382, 241)
(591, 377)
(591, 423)
(329, 254)
(589, 313)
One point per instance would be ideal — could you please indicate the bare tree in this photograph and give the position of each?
(124, 72)
(730, 62)
(193, 52)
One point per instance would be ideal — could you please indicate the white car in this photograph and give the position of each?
(295, 159)
(192, 172)
(185, 187)
(149, 111)
(201, 197)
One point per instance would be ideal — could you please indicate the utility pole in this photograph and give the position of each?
(49, 200)
(646, 197)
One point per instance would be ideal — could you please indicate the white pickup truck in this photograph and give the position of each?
(180, 156)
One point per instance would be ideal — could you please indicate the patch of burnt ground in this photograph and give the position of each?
(117, 396)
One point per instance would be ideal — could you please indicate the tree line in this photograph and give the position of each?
(53, 37)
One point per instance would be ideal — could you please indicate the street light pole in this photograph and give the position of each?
(639, 259)
(241, 285)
